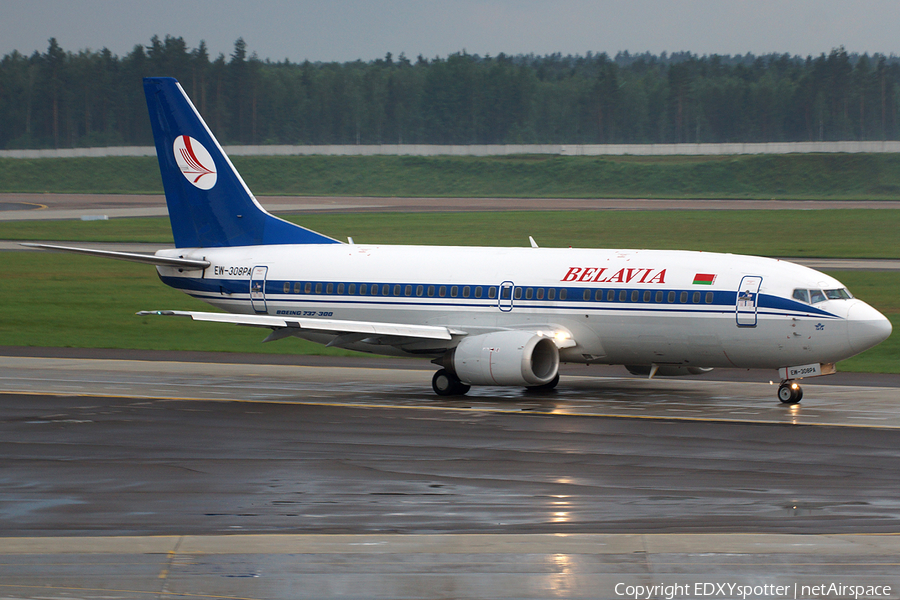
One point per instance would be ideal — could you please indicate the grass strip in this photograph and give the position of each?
(851, 233)
(789, 176)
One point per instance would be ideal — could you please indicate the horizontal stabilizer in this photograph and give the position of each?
(319, 325)
(148, 259)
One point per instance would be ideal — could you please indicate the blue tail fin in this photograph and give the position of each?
(209, 204)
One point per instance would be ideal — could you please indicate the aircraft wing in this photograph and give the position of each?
(147, 259)
(286, 323)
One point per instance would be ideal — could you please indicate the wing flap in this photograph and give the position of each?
(339, 327)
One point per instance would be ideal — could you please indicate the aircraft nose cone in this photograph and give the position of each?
(866, 327)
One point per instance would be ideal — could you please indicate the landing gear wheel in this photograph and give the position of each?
(546, 387)
(789, 392)
(445, 383)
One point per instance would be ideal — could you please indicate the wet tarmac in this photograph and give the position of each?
(127, 478)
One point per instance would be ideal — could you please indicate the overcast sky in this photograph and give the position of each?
(344, 30)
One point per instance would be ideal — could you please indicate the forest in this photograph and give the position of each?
(86, 98)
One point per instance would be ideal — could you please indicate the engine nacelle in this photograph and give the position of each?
(505, 358)
(667, 370)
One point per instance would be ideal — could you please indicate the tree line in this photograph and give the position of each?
(60, 98)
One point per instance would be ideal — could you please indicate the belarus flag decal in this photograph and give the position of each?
(704, 279)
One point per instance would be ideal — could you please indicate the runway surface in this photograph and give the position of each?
(13, 207)
(137, 477)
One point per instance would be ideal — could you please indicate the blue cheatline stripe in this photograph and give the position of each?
(723, 301)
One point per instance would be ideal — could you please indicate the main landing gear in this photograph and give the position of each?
(790, 392)
(445, 383)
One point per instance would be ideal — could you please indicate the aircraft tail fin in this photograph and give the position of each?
(209, 204)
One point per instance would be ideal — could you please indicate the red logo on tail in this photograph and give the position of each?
(195, 162)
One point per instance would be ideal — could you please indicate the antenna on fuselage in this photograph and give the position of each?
(533, 243)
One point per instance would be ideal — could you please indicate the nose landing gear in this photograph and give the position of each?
(790, 392)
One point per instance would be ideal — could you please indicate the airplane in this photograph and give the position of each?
(485, 316)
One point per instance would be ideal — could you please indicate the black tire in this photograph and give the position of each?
(790, 393)
(545, 387)
(445, 383)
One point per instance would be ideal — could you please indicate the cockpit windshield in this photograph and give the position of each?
(816, 296)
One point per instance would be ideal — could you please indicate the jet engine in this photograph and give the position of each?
(504, 358)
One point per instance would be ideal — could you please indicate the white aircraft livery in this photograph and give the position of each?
(485, 316)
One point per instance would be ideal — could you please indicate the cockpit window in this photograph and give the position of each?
(801, 295)
(840, 294)
(815, 296)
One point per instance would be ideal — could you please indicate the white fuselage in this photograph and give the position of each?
(632, 307)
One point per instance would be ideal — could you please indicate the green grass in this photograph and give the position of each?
(61, 300)
(783, 233)
(792, 176)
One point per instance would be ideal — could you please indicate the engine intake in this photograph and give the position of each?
(504, 358)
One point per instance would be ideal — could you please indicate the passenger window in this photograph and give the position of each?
(419, 290)
(478, 291)
(529, 293)
(634, 295)
(329, 288)
(817, 296)
(551, 294)
(598, 295)
(682, 297)
(287, 287)
(623, 296)
(351, 289)
(540, 293)
(408, 290)
(430, 290)
(386, 290)
(297, 288)
(696, 298)
(611, 296)
(492, 292)
(709, 297)
(318, 288)
(671, 297)
(442, 291)
(465, 291)
(563, 294)
(659, 296)
(340, 288)
(363, 288)
(518, 293)
(454, 291)
(647, 296)
(801, 295)
(587, 295)
(397, 290)
(307, 287)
